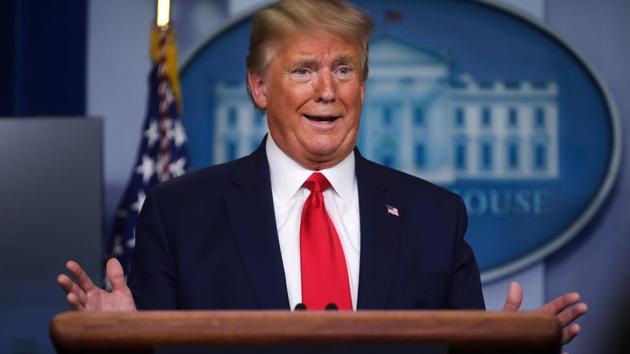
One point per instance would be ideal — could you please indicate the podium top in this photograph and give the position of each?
(469, 331)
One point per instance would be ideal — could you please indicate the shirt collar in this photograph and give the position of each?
(287, 176)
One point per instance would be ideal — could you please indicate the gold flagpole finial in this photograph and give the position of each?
(163, 13)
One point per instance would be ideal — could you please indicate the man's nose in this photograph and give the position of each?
(325, 88)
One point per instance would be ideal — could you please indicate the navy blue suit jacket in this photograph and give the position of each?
(208, 240)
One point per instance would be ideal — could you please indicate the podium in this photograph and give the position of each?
(306, 331)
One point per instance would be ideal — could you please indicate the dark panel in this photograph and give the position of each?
(50, 57)
(7, 57)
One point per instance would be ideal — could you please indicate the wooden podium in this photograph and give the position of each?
(455, 331)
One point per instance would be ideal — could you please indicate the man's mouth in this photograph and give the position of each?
(321, 118)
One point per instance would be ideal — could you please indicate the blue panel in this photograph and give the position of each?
(486, 155)
(486, 119)
(421, 158)
(460, 118)
(540, 154)
(232, 117)
(513, 155)
(419, 119)
(460, 155)
(513, 118)
(231, 148)
(540, 118)
(387, 116)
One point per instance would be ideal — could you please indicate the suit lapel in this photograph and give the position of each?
(380, 236)
(249, 204)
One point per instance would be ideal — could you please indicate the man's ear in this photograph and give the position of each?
(257, 89)
(362, 91)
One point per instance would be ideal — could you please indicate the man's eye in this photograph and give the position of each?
(344, 70)
(301, 74)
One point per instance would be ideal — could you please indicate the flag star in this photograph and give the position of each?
(131, 243)
(152, 134)
(179, 134)
(177, 167)
(147, 168)
(137, 206)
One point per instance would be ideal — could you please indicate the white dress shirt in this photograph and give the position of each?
(342, 204)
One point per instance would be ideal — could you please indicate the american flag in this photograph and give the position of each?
(392, 211)
(162, 152)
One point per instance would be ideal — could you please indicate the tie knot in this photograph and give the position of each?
(317, 182)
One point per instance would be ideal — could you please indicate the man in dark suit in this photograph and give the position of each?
(209, 241)
(241, 235)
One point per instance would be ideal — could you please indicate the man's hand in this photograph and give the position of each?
(83, 295)
(567, 308)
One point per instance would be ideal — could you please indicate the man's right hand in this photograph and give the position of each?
(83, 295)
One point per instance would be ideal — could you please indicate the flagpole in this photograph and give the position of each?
(162, 23)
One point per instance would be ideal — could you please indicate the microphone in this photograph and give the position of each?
(332, 307)
(300, 307)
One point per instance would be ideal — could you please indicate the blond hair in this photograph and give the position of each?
(283, 18)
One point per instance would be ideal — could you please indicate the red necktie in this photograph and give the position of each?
(324, 272)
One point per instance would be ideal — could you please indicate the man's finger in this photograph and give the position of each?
(71, 287)
(572, 313)
(514, 297)
(570, 332)
(65, 282)
(74, 303)
(567, 309)
(80, 276)
(116, 275)
(560, 303)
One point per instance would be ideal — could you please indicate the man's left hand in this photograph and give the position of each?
(567, 308)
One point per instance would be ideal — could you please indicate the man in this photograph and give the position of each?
(305, 218)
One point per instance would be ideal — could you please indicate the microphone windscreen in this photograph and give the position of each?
(332, 307)
(300, 307)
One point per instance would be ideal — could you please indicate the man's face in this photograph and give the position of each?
(312, 91)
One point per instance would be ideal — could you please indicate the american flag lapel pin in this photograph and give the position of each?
(392, 210)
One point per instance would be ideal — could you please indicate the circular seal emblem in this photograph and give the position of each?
(479, 99)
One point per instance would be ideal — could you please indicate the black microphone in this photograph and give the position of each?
(331, 307)
(300, 307)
